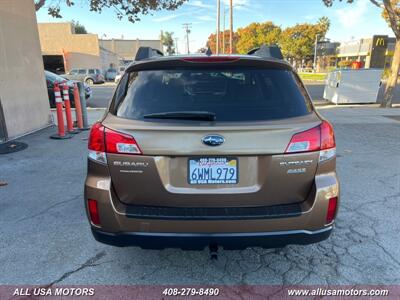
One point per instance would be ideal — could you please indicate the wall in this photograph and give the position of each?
(79, 50)
(108, 58)
(127, 49)
(23, 91)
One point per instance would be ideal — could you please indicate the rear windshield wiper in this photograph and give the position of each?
(183, 115)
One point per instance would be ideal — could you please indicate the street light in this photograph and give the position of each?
(218, 29)
(315, 52)
(319, 41)
(231, 6)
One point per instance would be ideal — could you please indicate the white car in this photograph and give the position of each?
(120, 73)
(118, 77)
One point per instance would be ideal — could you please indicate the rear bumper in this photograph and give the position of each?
(174, 226)
(198, 241)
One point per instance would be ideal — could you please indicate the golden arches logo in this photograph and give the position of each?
(380, 42)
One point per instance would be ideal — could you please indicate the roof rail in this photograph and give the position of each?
(265, 51)
(147, 52)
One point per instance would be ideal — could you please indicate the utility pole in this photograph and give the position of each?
(315, 52)
(187, 27)
(231, 26)
(176, 45)
(223, 33)
(162, 41)
(218, 29)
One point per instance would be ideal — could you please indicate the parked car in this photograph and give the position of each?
(89, 76)
(51, 78)
(200, 151)
(118, 78)
(119, 75)
(110, 74)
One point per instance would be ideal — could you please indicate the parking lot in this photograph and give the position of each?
(46, 239)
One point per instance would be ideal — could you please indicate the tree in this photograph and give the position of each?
(391, 13)
(168, 42)
(78, 27)
(298, 42)
(202, 50)
(212, 42)
(257, 34)
(131, 9)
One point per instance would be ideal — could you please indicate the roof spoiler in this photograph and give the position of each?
(147, 52)
(267, 52)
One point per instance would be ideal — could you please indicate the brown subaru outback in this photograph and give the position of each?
(211, 150)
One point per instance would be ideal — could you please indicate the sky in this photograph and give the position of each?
(348, 21)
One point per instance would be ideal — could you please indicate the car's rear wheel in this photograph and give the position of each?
(89, 81)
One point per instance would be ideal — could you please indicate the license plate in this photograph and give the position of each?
(213, 170)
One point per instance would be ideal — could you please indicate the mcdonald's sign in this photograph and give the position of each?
(380, 42)
(378, 50)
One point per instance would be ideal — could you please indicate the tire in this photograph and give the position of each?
(89, 81)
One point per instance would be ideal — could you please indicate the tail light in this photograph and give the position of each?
(117, 142)
(103, 140)
(93, 212)
(332, 207)
(320, 138)
(96, 144)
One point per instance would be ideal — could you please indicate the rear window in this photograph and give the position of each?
(230, 94)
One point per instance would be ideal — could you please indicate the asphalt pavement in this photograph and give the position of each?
(101, 95)
(45, 237)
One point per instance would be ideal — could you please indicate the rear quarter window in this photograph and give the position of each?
(231, 94)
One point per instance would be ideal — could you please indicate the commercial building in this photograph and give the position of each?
(24, 104)
(374, 52)
(327, 55)
(126, 49)
(64, 50)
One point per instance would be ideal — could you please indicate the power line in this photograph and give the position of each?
(187, 27)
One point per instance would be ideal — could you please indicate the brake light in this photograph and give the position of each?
(320, 138)
(211, 59)
(103, 140)
(96, 144)
(331, 213)
(117, 142)
(327, 136)
(96, 138)
(93, 212)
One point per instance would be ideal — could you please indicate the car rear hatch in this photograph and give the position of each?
(210, 136)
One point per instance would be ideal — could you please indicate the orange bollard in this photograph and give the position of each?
(60, 118)
(78, 108)
(68, 113)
